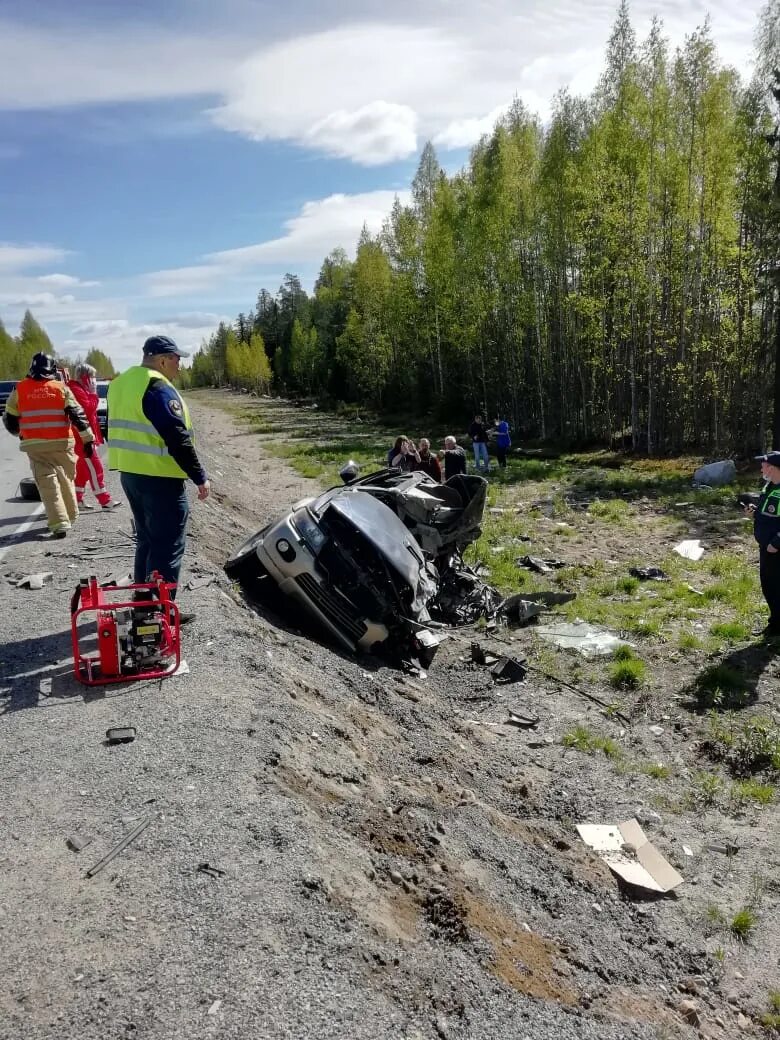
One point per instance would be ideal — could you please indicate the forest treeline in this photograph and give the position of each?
(614, 273)
(16, 351)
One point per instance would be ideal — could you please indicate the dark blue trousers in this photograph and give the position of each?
(160, 510)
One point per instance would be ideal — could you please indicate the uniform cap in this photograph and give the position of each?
(157, 345)
(772, 457)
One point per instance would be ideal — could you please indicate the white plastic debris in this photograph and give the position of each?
(580, 636)
(691, 549)
(627, 852)
(34, 581)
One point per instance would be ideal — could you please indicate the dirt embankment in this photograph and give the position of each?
(397, 861)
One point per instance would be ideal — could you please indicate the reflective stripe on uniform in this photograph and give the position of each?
(47, 424)
(128, 424)
(145, 449)
(44, 411)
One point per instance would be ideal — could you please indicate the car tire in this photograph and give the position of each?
(28, 490)
(244, 565)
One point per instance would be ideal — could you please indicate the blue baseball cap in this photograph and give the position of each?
(772, 457)
(156, 345)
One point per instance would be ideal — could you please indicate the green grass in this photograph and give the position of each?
(771, 1018)
(720, 686)
(706, 790)
(657, 770)
(583, 739)
(742, 923)
(627, 675)
(730, 631)
(613, 510)
(752, 791)
(748, 746)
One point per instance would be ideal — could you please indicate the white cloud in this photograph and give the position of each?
(122, 339)
(461, 133)
(321, 226)
(64, 281)
(374, 134)
(42, 300)
(369, 91)
(15, 257)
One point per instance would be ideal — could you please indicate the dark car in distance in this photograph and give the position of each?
(6, 386)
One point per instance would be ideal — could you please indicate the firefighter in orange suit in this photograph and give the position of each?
(40, 411)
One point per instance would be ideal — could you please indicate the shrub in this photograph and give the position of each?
(628, 674)
(743, 922)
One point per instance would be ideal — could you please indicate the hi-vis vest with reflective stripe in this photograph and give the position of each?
(134, 445)
(42, 410)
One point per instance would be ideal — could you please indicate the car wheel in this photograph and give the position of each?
(244, 564)
(28, 490)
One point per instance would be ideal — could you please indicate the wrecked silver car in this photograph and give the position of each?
(366, 560)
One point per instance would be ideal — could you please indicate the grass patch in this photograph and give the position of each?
(771, 1018)
(742, 923)
(613, 510)
(687, 641)
(583, 739)
(730, 631)
(752, 791)
(720, 686)
(706, 790)
(627, 675)
(747, 746)
(657, 770)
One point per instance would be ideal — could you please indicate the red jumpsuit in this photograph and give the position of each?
(89, 470)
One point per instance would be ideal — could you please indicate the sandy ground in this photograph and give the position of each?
(398, 862)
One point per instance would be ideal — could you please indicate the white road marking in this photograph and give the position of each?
(20, 530)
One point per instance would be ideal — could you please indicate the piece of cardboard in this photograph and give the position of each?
(625, 849)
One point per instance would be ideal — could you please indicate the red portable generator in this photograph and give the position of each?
(137, 637)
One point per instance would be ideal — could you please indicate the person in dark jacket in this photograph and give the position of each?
(503, 441)
(151, 443)
(403, 455)
(454, 458)
(766, 529)
(428, 462)
(479, 440)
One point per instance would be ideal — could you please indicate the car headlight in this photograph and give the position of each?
(309, 531)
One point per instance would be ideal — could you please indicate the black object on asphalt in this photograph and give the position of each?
(120, 846)
(120, 734)
(206, 868)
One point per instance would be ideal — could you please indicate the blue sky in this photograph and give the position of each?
(159, 167)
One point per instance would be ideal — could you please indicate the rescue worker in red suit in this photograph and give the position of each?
(89, 470)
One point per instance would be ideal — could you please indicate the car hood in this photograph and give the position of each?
(383, 529)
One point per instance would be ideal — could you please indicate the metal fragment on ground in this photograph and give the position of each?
(120, 846)
(120, 734)
(648, 574)
(35, 581)
(522, 721)
(586, 639)
(538, 564)
(509, 670)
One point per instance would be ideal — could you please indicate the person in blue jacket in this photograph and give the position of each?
(766, 529)
(503, 441)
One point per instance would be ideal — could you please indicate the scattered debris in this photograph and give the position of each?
(199, 583)
(479, 656)
(539, 565)
(691, 549)
(687, 850)
(128, 838)
(716, 474)
(76, 843)
(182, 669)
(649, 574)
(509, 670)
(610, 709)
(207, 868)
(627, 852)
(551, 599)
(120, 734)
(522, 721)
(45, 686)
(580, 636)
(35, 581)
(725, 849)
(214, 1007)
(689, 1010)
(656, 730)
(519, 609)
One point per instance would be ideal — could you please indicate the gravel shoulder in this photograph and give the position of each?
(398, 862)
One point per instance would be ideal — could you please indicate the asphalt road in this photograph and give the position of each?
(17, 517)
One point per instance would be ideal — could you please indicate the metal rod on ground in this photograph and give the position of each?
(122, 845)
(582, 693)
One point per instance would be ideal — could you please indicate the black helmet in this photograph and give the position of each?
(42, 366)
(349, 471)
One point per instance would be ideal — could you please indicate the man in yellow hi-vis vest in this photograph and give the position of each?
(150, 442)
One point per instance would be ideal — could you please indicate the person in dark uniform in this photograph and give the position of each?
(151, 443)
(766, 528)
